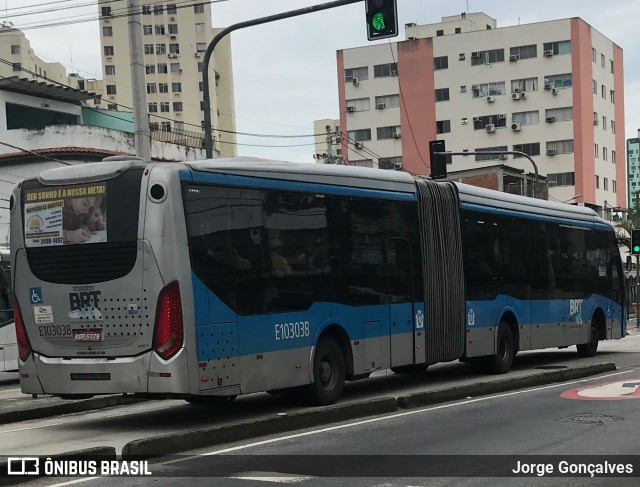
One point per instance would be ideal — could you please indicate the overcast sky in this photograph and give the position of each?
(285, 72)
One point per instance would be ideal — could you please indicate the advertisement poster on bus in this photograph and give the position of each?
(65, 216)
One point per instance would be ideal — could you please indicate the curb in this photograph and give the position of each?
(69, 407)
(96, 453)
(507, 384)
(169, 444)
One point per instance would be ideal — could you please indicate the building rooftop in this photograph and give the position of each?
(44, 90)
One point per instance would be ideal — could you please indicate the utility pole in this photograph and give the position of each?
(330, 156)
(635, 224)
(138, 87)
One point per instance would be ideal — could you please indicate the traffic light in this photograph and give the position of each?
(382, 19)
(635, 241)
(439, 161)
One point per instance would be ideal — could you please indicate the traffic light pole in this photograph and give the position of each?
(208, 136)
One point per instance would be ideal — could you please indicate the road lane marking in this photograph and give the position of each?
(608, 391)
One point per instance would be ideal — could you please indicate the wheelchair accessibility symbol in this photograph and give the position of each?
(35, 295)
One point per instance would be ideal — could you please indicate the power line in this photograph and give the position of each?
(36, 154)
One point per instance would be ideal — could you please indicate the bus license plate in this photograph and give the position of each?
(92, 335)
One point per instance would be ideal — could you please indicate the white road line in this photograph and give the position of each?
(360, 423)
(275, 477)
(30, 428)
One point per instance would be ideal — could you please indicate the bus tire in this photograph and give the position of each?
(590, 348)
(328, 373)
(209, 400)
(501, 362)
(413, 369)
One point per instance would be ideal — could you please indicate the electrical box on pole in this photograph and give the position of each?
(382, 19)
(438, 159)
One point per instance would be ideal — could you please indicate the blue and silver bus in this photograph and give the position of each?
(216, 278)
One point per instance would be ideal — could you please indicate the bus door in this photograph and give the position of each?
(401, 301)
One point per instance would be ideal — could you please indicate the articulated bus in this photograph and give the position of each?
(8, 345)
(211, 279)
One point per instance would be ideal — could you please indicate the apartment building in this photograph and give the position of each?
(633, 170)
(553, 90)
(175, 36)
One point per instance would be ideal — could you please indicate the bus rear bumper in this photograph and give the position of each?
(143, 374)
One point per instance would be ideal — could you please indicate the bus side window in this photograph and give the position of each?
(543, 277)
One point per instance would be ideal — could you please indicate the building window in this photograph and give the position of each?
(442, 94)
(15, 49)
(613, 127)
(612, 96)
(595, 87)
(111, 89)
(108, 50)
(597, 182)
(385, 70)
(563, 114)
(390, 132)
(593, 54)
(596, 151)
(605, 184)
(490, 157)
(199, 28)
(359, 74)
(160, 30)
(175, 67)
(201, 46)
(605, 155)
(107, 31)
(558, 47)
(163, 87)
(499, 120)
(200, 67)
(199, 8)
(109, 70)
(532, 149)
(603, 60)
(16, 67)
(613, 186)
(611, 65)
(388, 101)
(604, 92)
(150, 68)
(439, 33)
(560, 147)
(158, 9)
(604, 122)
(162, 68)
(177, 106)
(561, 179)
(458, 30)
(200, 84)
(151, 88)
(524, 85)
(441, 62)
(176, 87)
(557, 81)
(361, 135)
(524, 52)
(106, 11)
(148, 48)
(147, 30)
(487, 57)
(173, 28)
(165, 126)
(174, 48)
(161, 48)
(358, 105)
(526, 118)
(153, 107)
(595, 118)
(443, 126)
(164, 106)
(613, 156)
(488, 89)
(146, 10)
(172, 9)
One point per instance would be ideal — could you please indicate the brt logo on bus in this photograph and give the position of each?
(575, 309)
(84, 300)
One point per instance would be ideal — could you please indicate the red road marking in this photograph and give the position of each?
(608, 391)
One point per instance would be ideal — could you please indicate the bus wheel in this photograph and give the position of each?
(501, 362)
(589, 349)
(209, 400)
(414, 369)
(328, 373)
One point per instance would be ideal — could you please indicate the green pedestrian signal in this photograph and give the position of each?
(382, 19)
(635, 241)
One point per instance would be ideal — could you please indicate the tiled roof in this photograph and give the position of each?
(60, 151)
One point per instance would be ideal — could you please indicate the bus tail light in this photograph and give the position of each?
(169, 333)
(24, 347)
